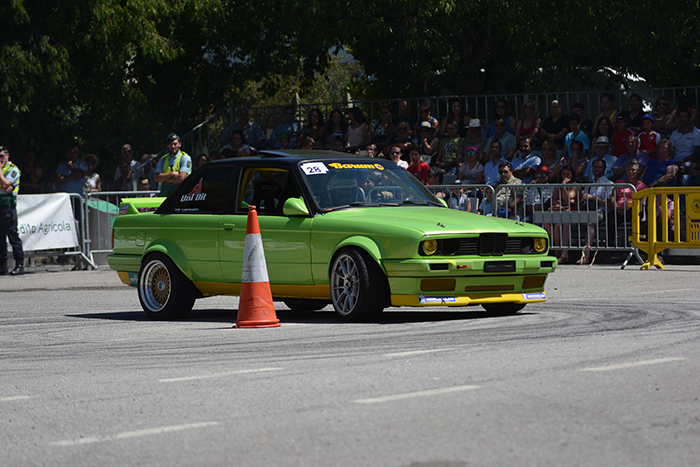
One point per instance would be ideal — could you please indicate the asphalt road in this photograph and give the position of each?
(606, 373)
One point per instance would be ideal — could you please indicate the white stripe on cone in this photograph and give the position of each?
(254, 267)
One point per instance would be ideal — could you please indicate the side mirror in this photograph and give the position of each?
(295, 207)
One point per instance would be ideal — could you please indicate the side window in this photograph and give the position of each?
(204, 193)
(267, 189)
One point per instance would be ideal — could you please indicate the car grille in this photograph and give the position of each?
(494, 245)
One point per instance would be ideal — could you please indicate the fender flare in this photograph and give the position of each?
(172, 251)
(367, 244)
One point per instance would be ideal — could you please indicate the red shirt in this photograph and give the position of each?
(420, 171)
(648, 143)
(620, 141)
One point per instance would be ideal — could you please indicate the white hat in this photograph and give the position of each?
(602, 141)
(475, 122)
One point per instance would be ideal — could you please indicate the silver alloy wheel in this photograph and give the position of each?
(156, 285)
(345, 284)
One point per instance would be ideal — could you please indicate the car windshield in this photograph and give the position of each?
(342, 183)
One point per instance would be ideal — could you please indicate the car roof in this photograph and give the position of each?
(294, 155)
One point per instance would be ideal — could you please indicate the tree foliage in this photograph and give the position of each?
(103, 72)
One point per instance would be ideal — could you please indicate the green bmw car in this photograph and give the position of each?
(358, 233)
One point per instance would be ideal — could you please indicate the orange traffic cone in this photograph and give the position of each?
(255, 307)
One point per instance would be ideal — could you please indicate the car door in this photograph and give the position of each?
(286, 239)
(191, 226)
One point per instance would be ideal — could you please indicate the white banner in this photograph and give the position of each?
(46, 222)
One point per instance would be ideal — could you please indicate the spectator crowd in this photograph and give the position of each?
(498, 165)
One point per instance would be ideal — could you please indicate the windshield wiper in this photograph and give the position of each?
(417, 203)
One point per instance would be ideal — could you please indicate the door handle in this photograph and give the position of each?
(229, 226)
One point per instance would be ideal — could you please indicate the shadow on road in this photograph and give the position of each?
(389, 316)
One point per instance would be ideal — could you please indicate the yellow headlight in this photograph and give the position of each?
(540, 244)
(430, 247)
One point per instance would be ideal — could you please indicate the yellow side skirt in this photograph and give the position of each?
(465, 300)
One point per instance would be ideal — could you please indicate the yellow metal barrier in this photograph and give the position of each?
(654, 244)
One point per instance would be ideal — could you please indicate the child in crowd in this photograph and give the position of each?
(459, 199)
(284, 141)
(418, 167)
(620, 136)
(649, 139)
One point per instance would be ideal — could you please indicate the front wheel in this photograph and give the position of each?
(359, 289)
(503, 309)
(164, 291)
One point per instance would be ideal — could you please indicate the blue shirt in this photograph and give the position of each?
(531, 161)
(580, 137)
(75, 185)
(291, 129)
(656, 169)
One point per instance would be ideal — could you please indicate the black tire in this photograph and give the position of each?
(503, 309)
(359, 288)
(164, 291)
(301, 304)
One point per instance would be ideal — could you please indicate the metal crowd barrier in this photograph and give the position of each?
(670, 218)
(579, 226)
(588, 228)
(99, 209)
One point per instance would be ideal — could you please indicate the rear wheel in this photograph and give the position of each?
(359, 289)
(503, 309)
(164, 291)
(301, 304)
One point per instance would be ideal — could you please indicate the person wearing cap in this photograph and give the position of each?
(9, 187)
(602, 151)
(173, 167)
(648, 138)
(284, 141)
(622, 133)
(475, 139)
(525, 163)
(429, 143)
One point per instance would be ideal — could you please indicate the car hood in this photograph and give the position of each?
(427, 220)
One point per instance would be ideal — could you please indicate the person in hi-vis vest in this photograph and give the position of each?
(9, 187)
(173, 167)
